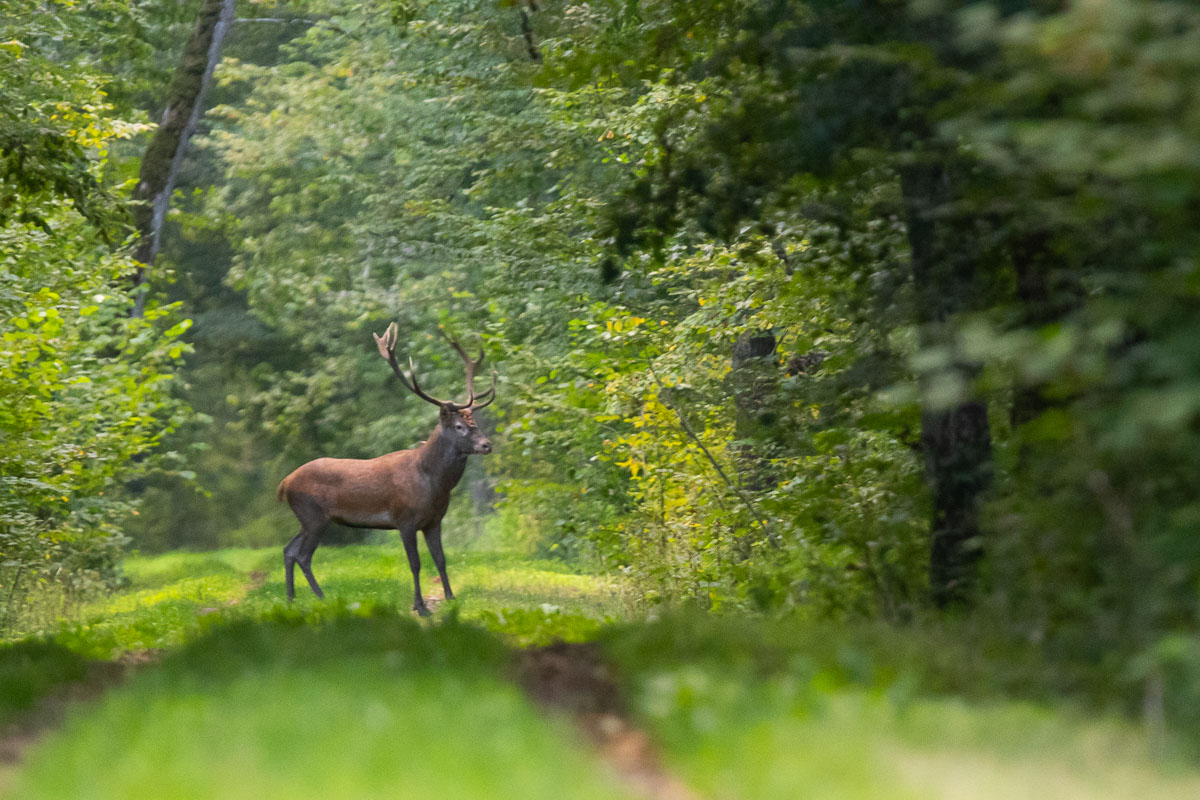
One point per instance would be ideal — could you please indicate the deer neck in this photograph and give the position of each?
(440, 459)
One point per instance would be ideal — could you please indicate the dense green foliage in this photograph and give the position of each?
(84, 393)
(786, 297)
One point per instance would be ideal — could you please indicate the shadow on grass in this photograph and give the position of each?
(31, 669)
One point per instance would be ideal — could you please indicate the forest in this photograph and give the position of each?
(845, 434)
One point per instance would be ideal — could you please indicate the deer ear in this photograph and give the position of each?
(447, 416)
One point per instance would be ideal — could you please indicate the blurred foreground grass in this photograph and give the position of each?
(758, 710)
(353, 698)
(349, 707)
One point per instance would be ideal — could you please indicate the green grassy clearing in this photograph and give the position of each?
(352, 697)
(174, 596)
(177, 597)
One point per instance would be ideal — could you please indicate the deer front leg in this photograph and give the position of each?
(433, 540)
(409, 537)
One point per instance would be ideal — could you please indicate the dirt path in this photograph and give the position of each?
(576, 680)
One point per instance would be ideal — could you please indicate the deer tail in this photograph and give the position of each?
(280, 491)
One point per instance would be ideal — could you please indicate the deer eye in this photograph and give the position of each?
(461, 428)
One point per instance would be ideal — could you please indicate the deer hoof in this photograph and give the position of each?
(422, 610)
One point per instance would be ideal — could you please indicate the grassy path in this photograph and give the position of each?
(354, 698)
(242, 678)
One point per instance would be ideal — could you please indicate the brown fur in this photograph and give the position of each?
(408, 490)
(357, 492)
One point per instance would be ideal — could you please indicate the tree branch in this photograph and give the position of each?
(527, 32)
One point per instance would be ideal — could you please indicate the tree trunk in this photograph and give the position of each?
(164, 154)
(754, 379)
(1029, 253)
(956, 440)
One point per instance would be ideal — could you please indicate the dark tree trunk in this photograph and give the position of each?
(164, 154)
(957, 446)
(1029, 255)
(755, 380)
(956, 440)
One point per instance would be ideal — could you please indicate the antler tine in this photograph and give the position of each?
(416, 387)
(469, 365)
(491, 391)
(387, 349)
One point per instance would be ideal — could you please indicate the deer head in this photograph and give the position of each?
(455, 419)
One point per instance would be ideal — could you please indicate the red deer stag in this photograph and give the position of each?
(408, 490)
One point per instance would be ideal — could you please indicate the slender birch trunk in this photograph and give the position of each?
(165, 152)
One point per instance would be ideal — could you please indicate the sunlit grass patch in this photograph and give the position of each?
(531, 585)
(207, 589)
(157, 570)
(150, 618)
(524, 627)
(174, 597)
(482, 581)
(165, 624)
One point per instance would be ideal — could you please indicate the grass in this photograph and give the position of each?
(174, 596)
(350, 707)
(352, 697)
(31, 669)
(780, 738)
(347, 697)
(756, 710)
(784, 739)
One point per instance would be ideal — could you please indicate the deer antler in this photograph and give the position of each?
(470, 366)
(387, 349)
(491, 391)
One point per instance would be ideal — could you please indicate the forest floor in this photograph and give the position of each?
(199, 681)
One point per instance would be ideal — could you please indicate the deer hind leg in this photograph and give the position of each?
(290, 552)
(308, 546)
(409, 537)
(433, 540)
(300, 549)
